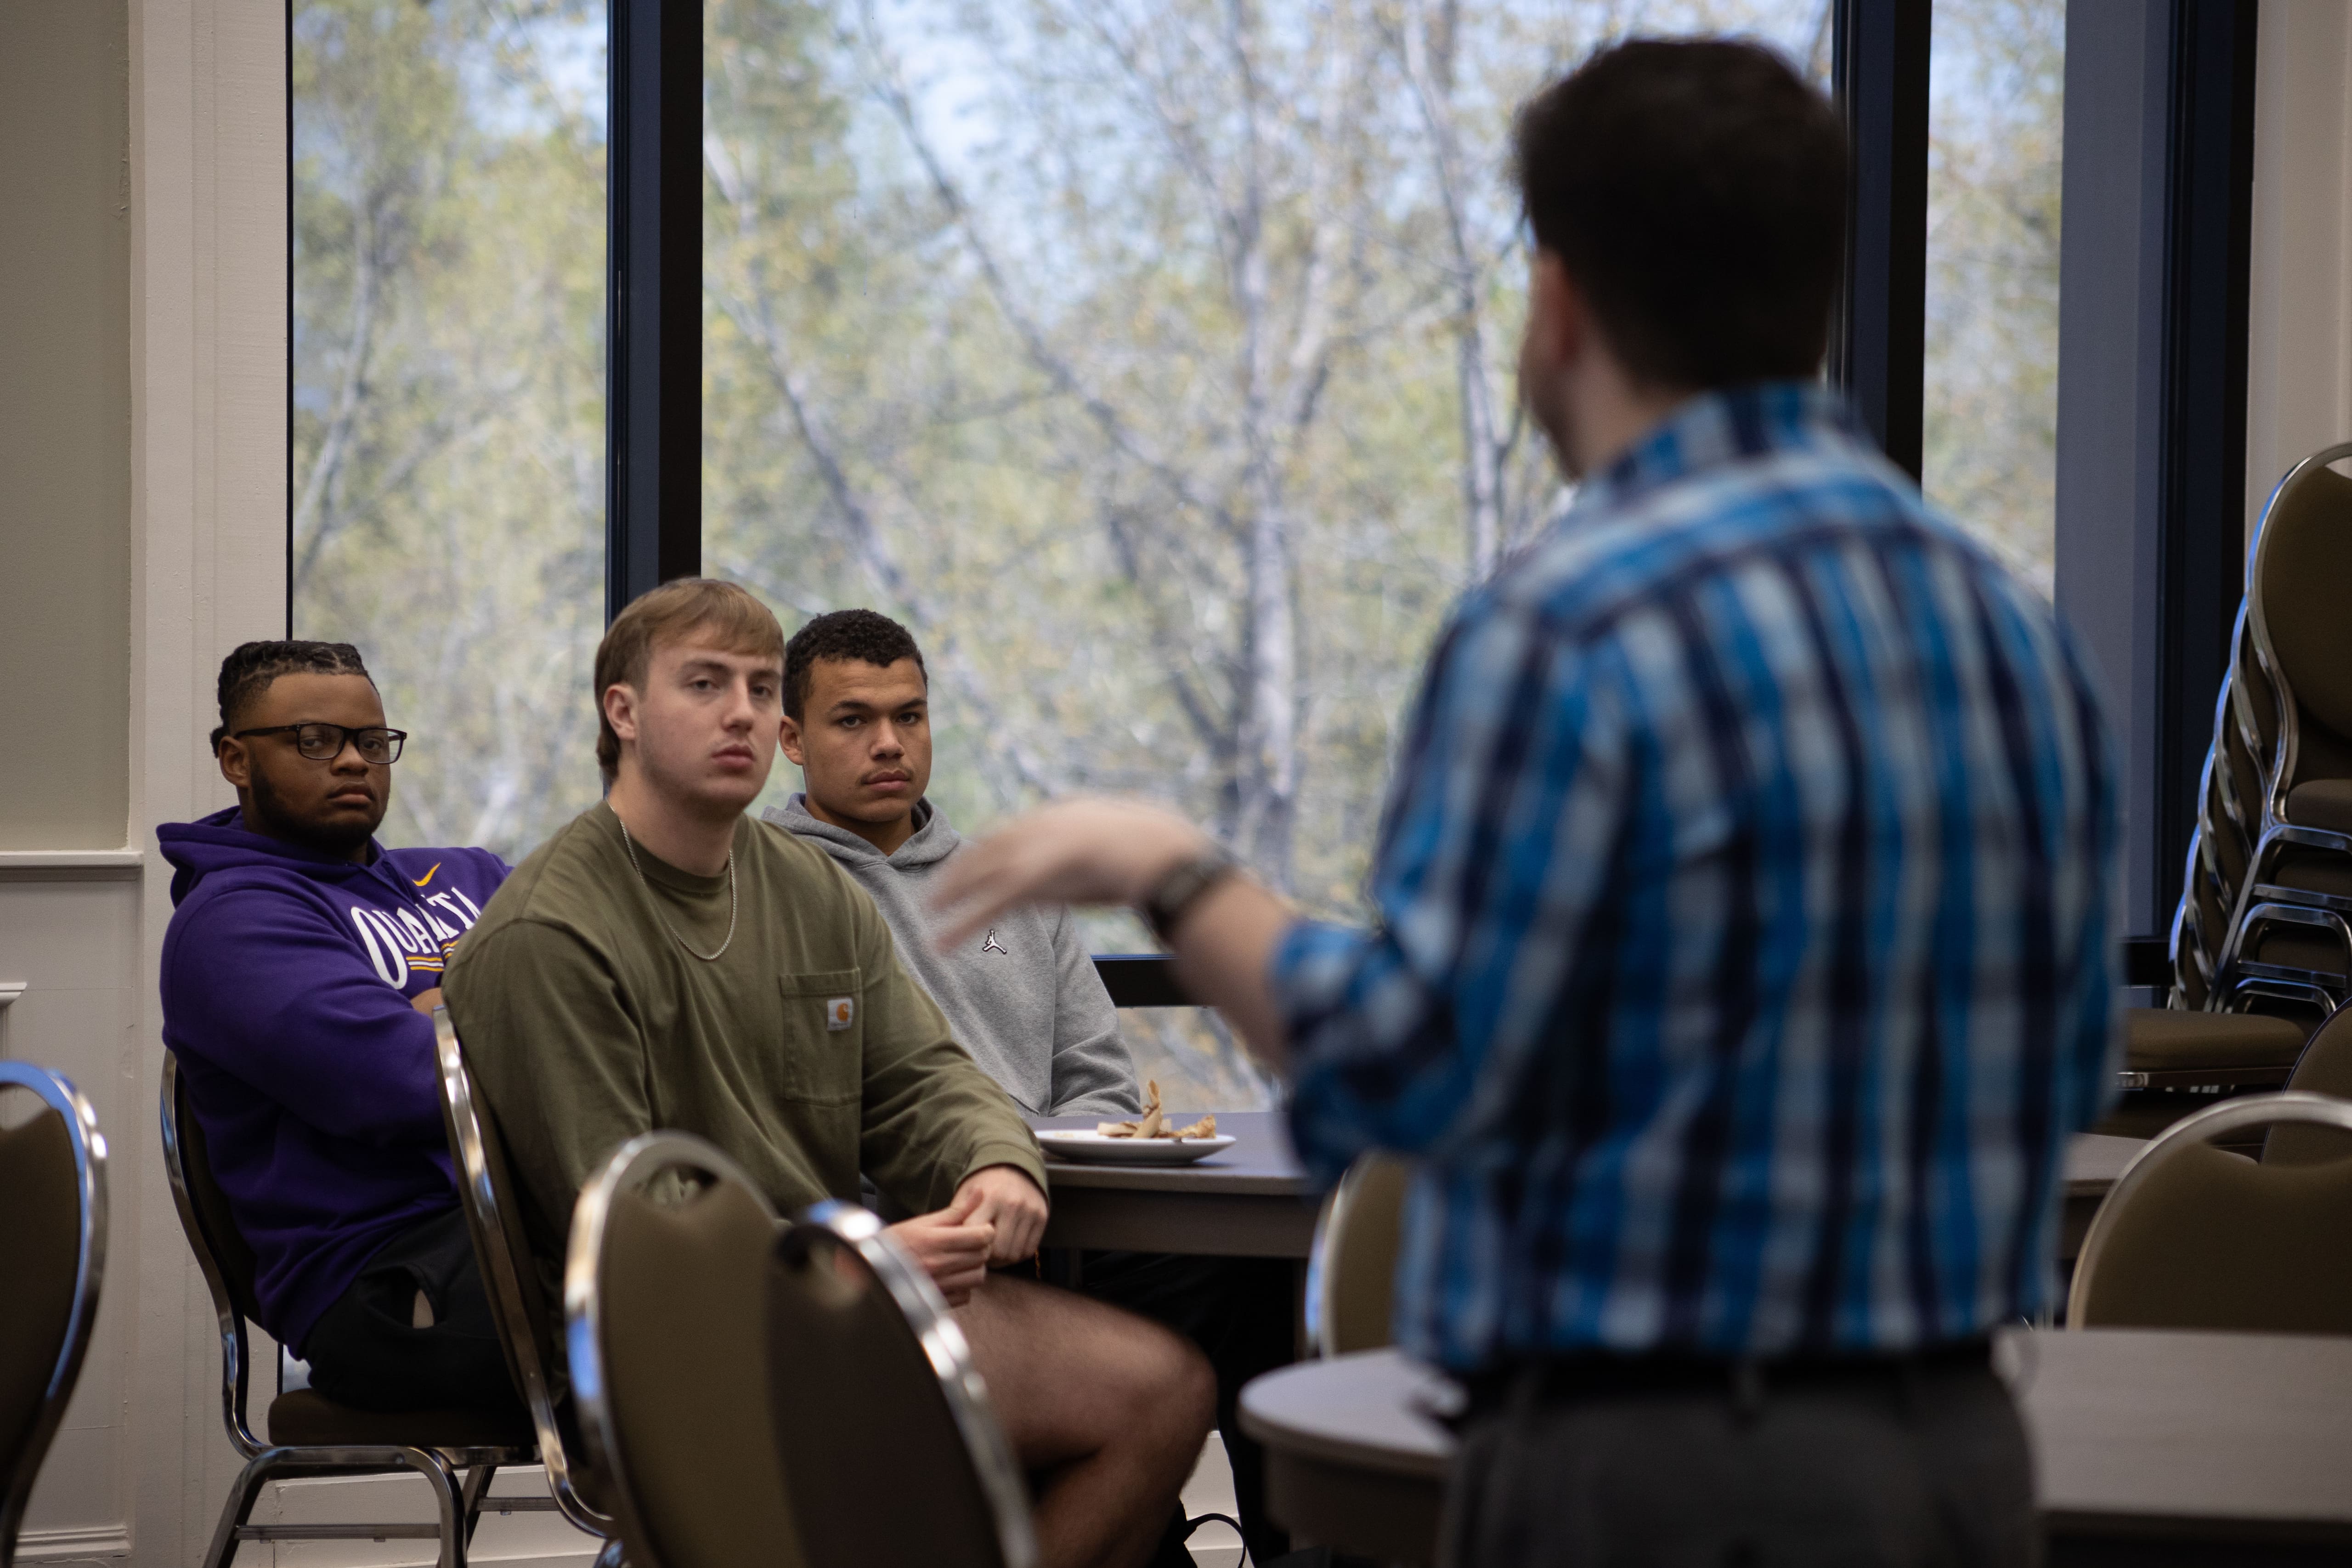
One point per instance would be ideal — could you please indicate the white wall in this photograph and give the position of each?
(142, 1464)
(2299, 330)
(65, 422)
(192, 330)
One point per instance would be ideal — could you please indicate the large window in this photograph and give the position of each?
(448, 431)
(1151, 359)
(1995, 124)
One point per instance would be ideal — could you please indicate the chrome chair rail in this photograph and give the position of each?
(87, 1146)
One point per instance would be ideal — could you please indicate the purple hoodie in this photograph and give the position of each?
(285, 983)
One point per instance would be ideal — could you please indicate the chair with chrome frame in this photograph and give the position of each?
(527, 1327)
(1351, 1263)
(664, 1294)
(310, 1434)
(678, 1290)
(880, 1385)
(53, 1234)
(2194, 1236)
(2271, 859)
(2261, 939)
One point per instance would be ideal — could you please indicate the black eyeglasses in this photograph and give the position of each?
(325, 742)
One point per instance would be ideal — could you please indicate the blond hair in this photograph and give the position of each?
(726, 612)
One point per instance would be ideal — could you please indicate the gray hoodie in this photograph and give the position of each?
(1022, 997)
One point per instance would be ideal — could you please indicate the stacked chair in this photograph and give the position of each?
(2269, 867)
(53, 1235)
(2261, 941)
(678, 1283)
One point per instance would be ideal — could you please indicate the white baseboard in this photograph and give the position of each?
(507, 1541)
(98, 1543)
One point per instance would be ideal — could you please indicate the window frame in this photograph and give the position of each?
(2154, 276)
(2152, 400)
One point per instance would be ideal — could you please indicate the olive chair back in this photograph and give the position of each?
(2324, 1068)
(2302, 569)
(52, 1237)
(874, 1383)
(665, 1311)
(2266, 917)
(2194, 1236)
(526, 1320)
(1351, 1267)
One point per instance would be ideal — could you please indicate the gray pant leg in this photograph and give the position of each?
(1931, 1472)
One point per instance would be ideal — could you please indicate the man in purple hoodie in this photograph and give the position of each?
(299, 972)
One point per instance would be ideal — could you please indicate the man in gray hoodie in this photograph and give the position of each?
(1023, 996)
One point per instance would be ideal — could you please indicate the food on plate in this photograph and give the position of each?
(1153, 1123)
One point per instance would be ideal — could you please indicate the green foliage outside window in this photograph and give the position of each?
(1152, 361)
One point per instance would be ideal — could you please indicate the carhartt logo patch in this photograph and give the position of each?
(839, 1011)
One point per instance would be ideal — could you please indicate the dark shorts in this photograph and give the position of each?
(1921, 1465)
(364, 1351)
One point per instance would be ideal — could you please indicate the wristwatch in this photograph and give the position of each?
(1181, 889)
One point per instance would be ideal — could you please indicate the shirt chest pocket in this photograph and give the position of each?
(821, 1045)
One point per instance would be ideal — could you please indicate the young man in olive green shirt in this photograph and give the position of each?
(663, 962)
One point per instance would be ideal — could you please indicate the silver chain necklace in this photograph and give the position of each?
(706, 957)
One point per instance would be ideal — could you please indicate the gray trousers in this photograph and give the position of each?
(1922, 1464)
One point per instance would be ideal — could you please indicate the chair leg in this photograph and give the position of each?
(238, 1507)
(478, 1486)
(449, 1496)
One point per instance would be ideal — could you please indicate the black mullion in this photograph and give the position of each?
(289, 317)
(653, 518)
(2201, 520)
(1879, 68)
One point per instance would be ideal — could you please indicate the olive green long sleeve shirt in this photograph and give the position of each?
(804, 1051)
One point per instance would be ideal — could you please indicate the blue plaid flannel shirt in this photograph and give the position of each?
(1746, 947)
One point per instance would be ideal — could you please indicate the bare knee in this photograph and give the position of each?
(1071, 1376)
(1182, 1388)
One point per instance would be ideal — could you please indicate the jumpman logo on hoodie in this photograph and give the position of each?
(992, 945)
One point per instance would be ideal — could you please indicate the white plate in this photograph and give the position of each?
(1073, 1144)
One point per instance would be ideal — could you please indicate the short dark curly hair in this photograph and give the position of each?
(247, 673)
(862, 634)
(1695, 190)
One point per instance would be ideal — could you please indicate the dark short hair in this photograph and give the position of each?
(1695, 190)
(733, 617)
(862, 634)
(248, 671)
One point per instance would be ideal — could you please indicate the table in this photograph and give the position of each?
(2149, 1446)
(1354, 1458)
(2173, 1446)
(1249, 1201)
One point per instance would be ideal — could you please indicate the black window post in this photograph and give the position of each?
(2154, 266)
(652, 481)
(1878, 354)
(2201, 520)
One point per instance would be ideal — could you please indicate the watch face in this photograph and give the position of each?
(1177, 890)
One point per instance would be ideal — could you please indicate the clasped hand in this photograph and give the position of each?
(997, 1217)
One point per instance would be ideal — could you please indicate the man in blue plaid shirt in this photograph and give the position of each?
(1744, 954)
